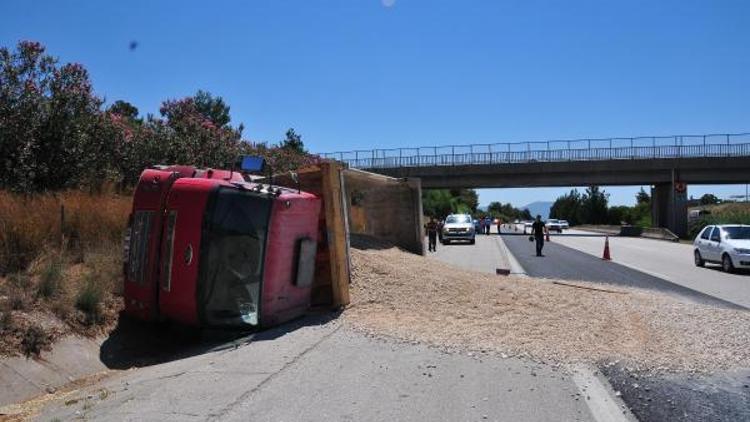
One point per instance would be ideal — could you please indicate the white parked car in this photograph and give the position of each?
(727, 244)
(554, 225)
(458, 227)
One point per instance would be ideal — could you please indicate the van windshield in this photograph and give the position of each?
(457, 219)
(232, 255)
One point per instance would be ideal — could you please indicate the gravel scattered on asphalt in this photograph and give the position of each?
(400, 295)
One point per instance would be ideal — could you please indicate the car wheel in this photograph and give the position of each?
(472, 241)
(699, 262)
(726, 264)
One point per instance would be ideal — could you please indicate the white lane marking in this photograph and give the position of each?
(601, 400)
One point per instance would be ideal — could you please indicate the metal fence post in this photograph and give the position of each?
(728, 154)
(632, 151)
(508, 152)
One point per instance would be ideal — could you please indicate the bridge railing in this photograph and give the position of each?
(654, 147)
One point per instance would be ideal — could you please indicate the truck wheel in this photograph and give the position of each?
(699, 262)
(726, 264)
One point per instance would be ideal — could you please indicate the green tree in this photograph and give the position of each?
(594, 205)
(293, 142)
(619, 214)
(441, 202)
(507, 212)
(568, 207)
(467, 197)
(709, 199)
(642, 197)
(212, 108)
(124, 109)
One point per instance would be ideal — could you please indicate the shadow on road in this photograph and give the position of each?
(717, 268)
(138, 344)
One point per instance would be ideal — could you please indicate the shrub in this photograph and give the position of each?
(89, 299)
(18, 300)
(6, 320)
(35, 339)
(20, 280)
(50, 280)
(731, 215)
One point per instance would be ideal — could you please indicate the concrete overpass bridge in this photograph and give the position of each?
(667, 164)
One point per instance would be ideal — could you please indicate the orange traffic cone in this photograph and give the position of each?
(547, 233)
(606, 256)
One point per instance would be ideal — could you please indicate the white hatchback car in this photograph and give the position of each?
(727, 244)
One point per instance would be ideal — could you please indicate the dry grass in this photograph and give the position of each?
(50, 288)
(400, 295)
(30, 225)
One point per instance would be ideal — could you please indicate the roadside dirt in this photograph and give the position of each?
(400, 295)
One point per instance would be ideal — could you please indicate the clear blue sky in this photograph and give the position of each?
(351, 74)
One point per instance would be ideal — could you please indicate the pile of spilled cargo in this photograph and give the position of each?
(411, 298)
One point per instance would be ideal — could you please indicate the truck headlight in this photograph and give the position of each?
(743, 251)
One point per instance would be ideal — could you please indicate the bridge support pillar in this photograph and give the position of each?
(669, 207)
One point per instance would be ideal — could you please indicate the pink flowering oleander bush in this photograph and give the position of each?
(56, 135)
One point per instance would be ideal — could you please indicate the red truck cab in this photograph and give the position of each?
(206, 248)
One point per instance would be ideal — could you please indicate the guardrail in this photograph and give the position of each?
(652, 147)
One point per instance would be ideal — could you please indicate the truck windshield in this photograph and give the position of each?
(232, 255)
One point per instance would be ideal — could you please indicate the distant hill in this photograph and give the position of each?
(540, 208)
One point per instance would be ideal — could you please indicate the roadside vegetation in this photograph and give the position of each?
(69, 162)
(441, 202)
(60, 266)
(592, 207)
(726, 213)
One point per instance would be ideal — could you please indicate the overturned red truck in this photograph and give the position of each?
(208, 248)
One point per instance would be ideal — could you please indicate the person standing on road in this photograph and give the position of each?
(537, 230)
(487, 224)
(432, 232)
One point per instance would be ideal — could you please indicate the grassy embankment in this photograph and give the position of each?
(729, 213)
(55, 278)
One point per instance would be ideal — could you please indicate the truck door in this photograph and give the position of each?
(143, 241)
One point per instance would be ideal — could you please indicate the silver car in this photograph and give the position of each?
(728, 245)
(458, 227)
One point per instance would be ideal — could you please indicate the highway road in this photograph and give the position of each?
(564, 262)
(318, 369)
(686, 397)
(670, 261)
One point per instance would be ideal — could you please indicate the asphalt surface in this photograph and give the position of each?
(566, 263)
(671, 261)
(318, 369)
(315, 370)
(722, 396)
